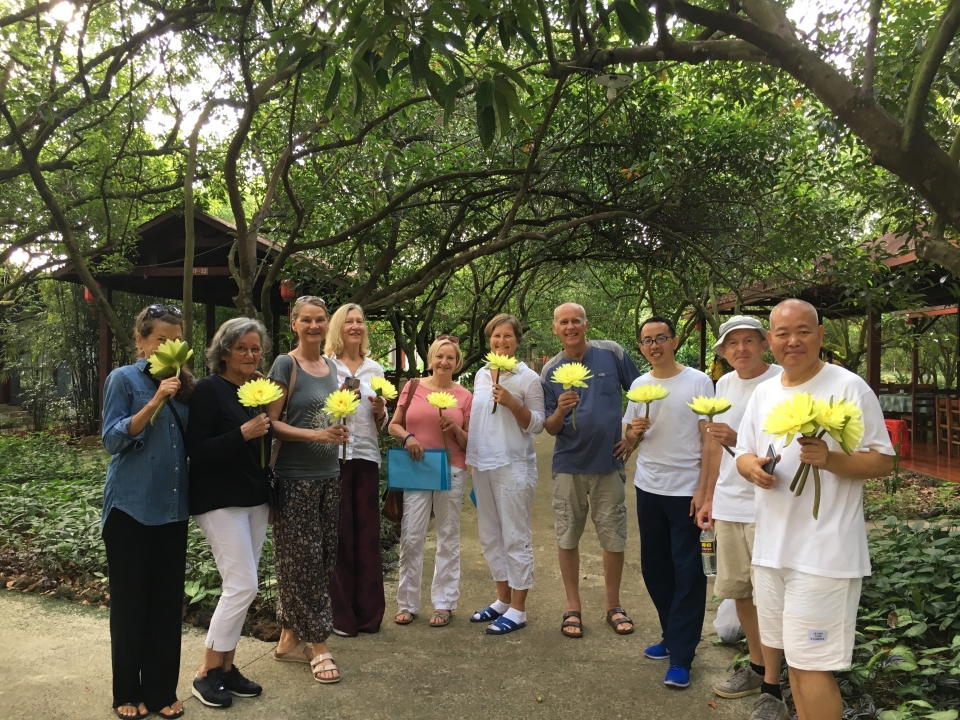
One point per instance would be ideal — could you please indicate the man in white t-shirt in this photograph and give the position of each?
(728, 507)
(671, 484)
(808, 571)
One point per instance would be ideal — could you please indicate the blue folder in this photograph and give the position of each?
(431, 473)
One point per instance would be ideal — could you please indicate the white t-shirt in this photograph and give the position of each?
(733, 495)
(668, 457)
(496, 439)
(363, 443)
(787, 535)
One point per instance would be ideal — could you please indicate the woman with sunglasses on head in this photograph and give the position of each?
(228, 497)
(306, 528)
(357, 589)
(144, 523)
(419, 428)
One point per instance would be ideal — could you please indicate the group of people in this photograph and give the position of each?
(795, 579)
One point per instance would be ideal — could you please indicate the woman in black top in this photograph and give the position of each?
(228, 497)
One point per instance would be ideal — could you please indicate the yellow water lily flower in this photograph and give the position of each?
(501, 363)
(383, 388)
(843, 421)
(795, 415)
(165, 362)
(442, 400)
(341, 403)
(571, 375)
(709, 406)
(259, 392)
(852, 434)
(646, 394)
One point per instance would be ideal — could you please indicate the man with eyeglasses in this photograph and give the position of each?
(588, 461)
(671, 476)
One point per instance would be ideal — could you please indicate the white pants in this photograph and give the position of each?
(812, 618)
(236, 537)
(413, 534)
(504, 510)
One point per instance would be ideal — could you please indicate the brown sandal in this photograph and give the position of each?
(443, 615)
(410, 617)
(615, 624)
(572, 623)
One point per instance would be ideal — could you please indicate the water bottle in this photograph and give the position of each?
(708, 552)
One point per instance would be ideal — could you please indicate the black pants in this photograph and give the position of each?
(673, 571)
(356, 591)
(147, 567)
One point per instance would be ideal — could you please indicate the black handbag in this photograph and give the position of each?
(276, 489)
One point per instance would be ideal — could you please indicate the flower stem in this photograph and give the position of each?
(727, 448)
(156, 413)
(796, 478)
(495, 381)
(803, 479)
(445, 446)
(344, 423)
(816, 493)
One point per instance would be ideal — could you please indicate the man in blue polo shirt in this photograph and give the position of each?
(588, 461)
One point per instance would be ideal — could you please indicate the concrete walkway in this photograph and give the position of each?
(55, 656)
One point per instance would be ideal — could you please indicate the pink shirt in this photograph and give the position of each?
(423, 420)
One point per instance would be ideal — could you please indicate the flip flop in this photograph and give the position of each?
(487, 615)
(404, 622)
(503, 626)
(616, 623)
(135, 706)
(171, 716)
(571, 623)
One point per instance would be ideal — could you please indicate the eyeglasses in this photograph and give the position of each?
(158, 311)
(244, 350)
(449, 338)
(659, 340)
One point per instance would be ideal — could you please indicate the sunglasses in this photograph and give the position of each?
(158, 311)
(311, 298)
(449, 338)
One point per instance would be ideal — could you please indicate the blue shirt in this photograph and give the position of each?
(147, 477)
(589, 448)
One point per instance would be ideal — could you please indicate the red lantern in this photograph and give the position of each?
(88, 296)
(699, 325)
(910, 321)
(287, 292)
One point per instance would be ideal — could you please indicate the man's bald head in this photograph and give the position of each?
(792, 307)
(568, 308)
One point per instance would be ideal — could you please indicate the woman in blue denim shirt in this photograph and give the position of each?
(144, 523)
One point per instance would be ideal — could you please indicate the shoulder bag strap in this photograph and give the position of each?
(275, 451)
(406, 403)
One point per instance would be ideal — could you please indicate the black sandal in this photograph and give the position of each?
(615, 624)
(171, 716)
(571, 623)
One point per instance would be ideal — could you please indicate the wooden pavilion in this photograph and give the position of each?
(157, 270)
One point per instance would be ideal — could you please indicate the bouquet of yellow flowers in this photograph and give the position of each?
(571, 375)
(443, 401)
(802, 415)
(646, 394)
(259, 393)
(167, 361)
(339, 404)
(498, 365)
(711, 406)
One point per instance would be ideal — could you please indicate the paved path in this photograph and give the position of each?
(55, 656)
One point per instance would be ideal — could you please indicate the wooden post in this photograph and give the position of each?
(914, 371)
(210, 322)
(703, 343)
(873, 350)
(106, 361)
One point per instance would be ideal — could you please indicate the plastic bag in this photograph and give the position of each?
(727, 624)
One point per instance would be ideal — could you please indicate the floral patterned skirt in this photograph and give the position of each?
(305, 555)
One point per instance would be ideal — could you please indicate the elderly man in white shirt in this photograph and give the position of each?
(808, 571)
(500, 450)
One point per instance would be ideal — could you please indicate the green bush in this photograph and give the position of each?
(907, 654)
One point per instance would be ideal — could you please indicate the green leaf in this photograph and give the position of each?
(638, 24)
(453, 87)
(530, 40)
(268, 6)
(357, 94)
(943, 715)
(510, 73)
(362, 70)
(333, 91)
(510, 93)
(501, 107)
(486, 125)
(503, 30)
(484, 96)
(602, 13)
(916, 630)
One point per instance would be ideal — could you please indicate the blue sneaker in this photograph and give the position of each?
(657, 652)
(678, 677)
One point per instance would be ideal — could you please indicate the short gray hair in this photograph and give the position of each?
(227, 336)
